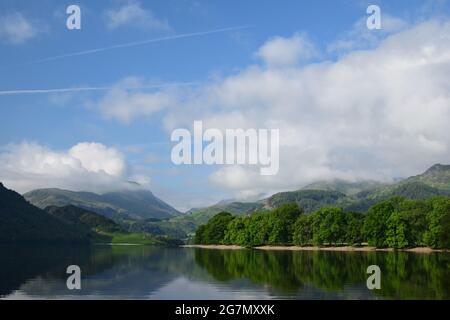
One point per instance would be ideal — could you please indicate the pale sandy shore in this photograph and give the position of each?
(313, 248)
(213, 246)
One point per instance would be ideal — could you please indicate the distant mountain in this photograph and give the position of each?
(129, 204)
(84, 219)
(433, 182)
(352, 196)
(181, 226)
(348, 188)
(438, 176)
(309, 200)
(21, 222)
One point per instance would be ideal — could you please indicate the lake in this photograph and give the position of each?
(143, 272)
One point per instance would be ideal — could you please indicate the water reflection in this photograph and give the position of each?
(138, 272)
(404, 275)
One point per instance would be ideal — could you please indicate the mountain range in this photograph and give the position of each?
(120, 205)
(352, 196)
(139, 211)
(20, 222)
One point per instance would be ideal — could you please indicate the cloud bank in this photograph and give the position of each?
(132, 13)
(16, 29)
(376, 113)
(87, 166)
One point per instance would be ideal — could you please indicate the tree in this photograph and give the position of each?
(438, 218)
(199, 234)
(354, 223)
(236, 232)
(258, 229)
(281, 223)
(329, 226)
(396, 229)
(375, 224)
(214, 231)
(303, 232)
(414, 215)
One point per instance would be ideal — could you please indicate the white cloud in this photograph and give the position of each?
(131, 13)
(86, 166)
(279, 51)
(371, 114)
(360, 37)
(98, 158)
(16, 29)
(125, 105)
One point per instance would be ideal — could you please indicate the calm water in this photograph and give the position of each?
(136, 272)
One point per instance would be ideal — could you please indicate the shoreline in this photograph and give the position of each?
(315, 248)
(213, 246)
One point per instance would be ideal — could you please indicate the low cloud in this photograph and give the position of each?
(360, 37)
(377, 113)
(132, 13)
(124, 104)
(279, 51)
(87, 166)
(16, 29)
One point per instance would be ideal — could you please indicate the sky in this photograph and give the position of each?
(94, 108)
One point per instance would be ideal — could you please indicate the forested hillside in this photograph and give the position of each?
(394, 223)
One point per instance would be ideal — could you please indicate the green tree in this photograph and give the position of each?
(303, 231)
(329, 226)
(199, 235)
(236, 232)
(375, 224)
(396, 231)
(258, 229)
(414, 215)
(281, 223)
(438, 233)
(353, 228)
(214, 231)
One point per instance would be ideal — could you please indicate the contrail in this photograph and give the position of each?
(139, 43)
(78, 89)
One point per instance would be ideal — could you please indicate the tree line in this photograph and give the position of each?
(394, 223)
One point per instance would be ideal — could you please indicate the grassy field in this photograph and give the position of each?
(138, 239)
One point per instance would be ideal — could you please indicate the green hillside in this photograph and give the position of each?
(351, 196)
(104, 230)
(348, 188)
(181, 226)
(22, 222)
(130, 204)
(83, 218)
(308, 200)
(438, 176)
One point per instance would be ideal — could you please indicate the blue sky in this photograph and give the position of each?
(52, 123)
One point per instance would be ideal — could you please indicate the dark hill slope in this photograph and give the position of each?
(20, 222)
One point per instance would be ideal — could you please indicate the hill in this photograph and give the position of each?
(102, 229)
(309, 200)
(433, 182)
(129, 204)
(22, 222)
(348, 188)
(84, 219)
(181, 226)
(438, 176)
(351, 196)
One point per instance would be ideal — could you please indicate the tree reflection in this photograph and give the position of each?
(404, 275)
